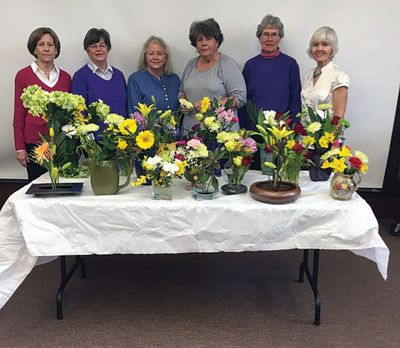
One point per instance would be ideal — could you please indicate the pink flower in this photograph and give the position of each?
(179, 157)
(235, 119)
(181, 143)
(250, 144)
(194, 143)
(336, 143)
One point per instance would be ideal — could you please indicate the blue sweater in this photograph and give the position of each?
(272, 84)
(142, 85)
(92, 87)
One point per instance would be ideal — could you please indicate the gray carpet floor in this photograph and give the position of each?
(209, 300)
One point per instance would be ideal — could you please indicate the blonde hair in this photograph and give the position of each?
(324, 34)
(159, 41)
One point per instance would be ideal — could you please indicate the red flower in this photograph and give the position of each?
(181, 143)
(246, 161)
(336, 143)
(355, 162)
(195, 126)
(299, 129)
(268, 148)
(288, 122)
(179, 157)
(235, 119)
(308, 154)
(335, 120)
(278, 115)
(298, 148)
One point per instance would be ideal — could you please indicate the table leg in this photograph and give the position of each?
(313, 281)
(65, 277)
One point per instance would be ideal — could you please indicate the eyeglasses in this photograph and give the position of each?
(101, 46)
(273, 35)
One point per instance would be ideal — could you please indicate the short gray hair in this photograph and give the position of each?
(163, 44)
(324, 34)
(270, 21)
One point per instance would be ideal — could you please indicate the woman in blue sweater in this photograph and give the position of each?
(154, 78)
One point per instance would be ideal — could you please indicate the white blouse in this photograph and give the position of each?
(332, 77)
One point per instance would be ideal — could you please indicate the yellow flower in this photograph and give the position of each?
(290, 143)
(362, 156)
(230, 145)
(148, 166)
(279, 134)
(166, 114)
(199, 116)
(345, 152)
(144, 109)
(145, 139)
(181, 165)
(364, 168)
(51, 132)
(323, 142)
(324, 107)
(314, 127)
(270, 165)
(205, 104)
(308, 140)
(329, 136)
(139, 181)
(325, 164)
(208, 121)
(237, 161)
(185, 103)
(338, 165)
(127, 127)
(122, 144)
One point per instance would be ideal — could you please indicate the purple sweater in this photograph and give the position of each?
(92, 87)
(272, 84)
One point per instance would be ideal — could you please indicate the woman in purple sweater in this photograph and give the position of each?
(272, 77)
(98, 79)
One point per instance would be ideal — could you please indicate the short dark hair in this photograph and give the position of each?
(37, 34)
(208, 28)
(94, 35)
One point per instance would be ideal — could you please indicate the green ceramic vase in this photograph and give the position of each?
(104, 177)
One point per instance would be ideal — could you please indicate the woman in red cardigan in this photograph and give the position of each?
(44, 45)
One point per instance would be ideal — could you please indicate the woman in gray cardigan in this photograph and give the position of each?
(211, 74)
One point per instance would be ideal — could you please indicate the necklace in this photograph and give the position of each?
(316, 74)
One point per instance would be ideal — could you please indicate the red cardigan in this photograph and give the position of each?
(26, 126)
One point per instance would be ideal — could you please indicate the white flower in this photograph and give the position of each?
(170, 167)
(153, 161)
(114, 119)
(269, 116)
(69, 130)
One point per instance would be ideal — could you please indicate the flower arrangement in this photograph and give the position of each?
(320, 128)
(238, 148)
(341, 160)
(57, 109)
(161, 169)
(44, 155)
(201, 164)
(212, 117)
(162, 124)
(288, 151)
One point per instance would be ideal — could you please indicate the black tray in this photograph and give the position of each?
(71, 188)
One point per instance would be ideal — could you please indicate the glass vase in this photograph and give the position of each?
(343, 185)
(235, 176)
(161, 192)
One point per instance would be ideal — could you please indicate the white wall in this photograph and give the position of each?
(368, 50)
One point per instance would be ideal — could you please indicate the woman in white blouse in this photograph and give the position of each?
(326, 83)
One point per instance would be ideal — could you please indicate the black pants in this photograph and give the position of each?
(34, 170)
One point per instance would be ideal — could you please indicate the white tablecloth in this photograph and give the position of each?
(131, 223)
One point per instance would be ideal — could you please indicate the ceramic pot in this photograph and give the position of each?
(104, 177)
(343, 185)
(263, 191)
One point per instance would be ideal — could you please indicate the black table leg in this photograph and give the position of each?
(313, 280)
(65, 277)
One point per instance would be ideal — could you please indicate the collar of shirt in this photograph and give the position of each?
(271, 55)
(49, 80)
(104, 74)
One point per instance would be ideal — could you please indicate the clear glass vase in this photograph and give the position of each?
(235, 176)
(161, 192)
(343, 185)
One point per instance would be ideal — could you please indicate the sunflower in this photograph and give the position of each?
(145, 139)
